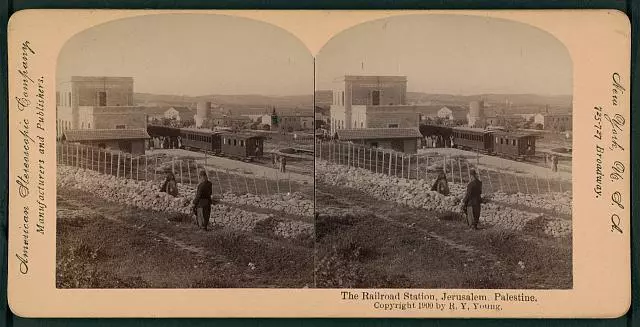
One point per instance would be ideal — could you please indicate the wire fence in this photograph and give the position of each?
(427, 167)
(155, 167)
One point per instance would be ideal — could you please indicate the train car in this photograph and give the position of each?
(475, 139)
(201, 139)
(514, 145)
(242, 145)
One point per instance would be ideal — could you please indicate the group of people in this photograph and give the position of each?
(438, 141)
(202, 202)
(279, 162)
(552, 161)
(165, 143)
(472, 200)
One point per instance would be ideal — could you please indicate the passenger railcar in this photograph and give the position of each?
(476, 139)
(514, 145)
(243, 146)
(201, 139)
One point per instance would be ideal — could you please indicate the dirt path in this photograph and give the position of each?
(239, 167)
(419, 248)
(492, 162)
(126, 247)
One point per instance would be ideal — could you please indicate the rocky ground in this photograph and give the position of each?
(511, 212)
(116, 232)
(379, 231)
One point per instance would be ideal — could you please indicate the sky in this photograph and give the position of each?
(451, 54)
(192, 54)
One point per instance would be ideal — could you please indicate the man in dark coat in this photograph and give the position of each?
(202, 201)
(472, 200)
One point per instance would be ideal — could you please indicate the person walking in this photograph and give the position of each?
(554, 163)
(283, 165)
(472, 200)
(170, 186)
(202, 201)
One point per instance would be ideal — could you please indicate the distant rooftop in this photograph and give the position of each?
(78, 135)
(378, 133)
(100, 78)
(372, 78)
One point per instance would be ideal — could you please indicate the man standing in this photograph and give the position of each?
(472, 200)
(202, 202)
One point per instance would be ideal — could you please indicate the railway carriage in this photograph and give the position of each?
(476, 139)
(514, 145)
(242, 145)
(203, 140)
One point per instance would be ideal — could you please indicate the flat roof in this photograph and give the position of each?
(471, 129)
(378, 133)
(78, 135)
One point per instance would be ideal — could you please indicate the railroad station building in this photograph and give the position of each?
(129, 140)
(396, 139)
(556, 122)
(381, 102)
(88, 102)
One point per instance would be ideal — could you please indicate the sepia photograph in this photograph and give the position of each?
(319, 163)
(183, 161)
(445, 156)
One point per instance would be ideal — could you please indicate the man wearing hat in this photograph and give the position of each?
(472, 200)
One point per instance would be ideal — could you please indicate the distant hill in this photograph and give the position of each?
(245, 103)
(516, 100)
(253, 103)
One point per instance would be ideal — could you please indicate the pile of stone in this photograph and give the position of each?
(146, 195)
(293, 204)
(418, 194)
(559, 203)
(558, 227)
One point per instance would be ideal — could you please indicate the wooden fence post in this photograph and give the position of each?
(255, 184)
(146, 167)
(389, 172)
(402, 168)
(219, 183)
(417, 167)
(490, 182)
(118, 168)
(289, 180)
(131, 168)
(155, 168)
(460, 171)
(245, 182)
(266, 183)
(377, 161)
(537, 184)
(110, 163)
(500, 181)
(189, 172)
(278, 182)
(181, 180)
(517, 183)
(370, 159)
(526, 185)
(229, 178)
(137, 168)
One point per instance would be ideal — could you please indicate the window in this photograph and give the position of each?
(57, 98)
(361, 124)
(375, 98)
(241, 143)
(82, 125)
(121, 126)
(89, 125)
(235, 143)
(343, 98)
(392, 126)
(102, 99)
(514, 142)
(69, 99)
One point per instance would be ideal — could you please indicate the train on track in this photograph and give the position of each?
(241, 146)
(509, 144)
